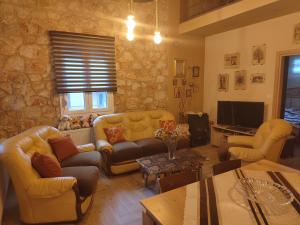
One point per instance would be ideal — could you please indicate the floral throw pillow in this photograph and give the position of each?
(114, 134)
(168, 125)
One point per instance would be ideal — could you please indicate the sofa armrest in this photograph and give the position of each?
(50, 187)
(246, 154)
(103, 145)
(86, 148)
(237, 140)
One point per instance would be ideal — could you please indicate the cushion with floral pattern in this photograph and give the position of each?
(168, 125)
(114, 134)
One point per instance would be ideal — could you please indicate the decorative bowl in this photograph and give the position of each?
(263, 191)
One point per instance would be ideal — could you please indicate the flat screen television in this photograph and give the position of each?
(243, 114)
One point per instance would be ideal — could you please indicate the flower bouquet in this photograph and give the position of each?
(170, 137)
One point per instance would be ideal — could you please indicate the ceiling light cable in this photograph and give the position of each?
(157, 37)
(130, 23)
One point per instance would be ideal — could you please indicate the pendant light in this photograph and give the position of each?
(157, 37)
(130, 23)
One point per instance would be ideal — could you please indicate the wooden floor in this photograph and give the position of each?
(116, 201)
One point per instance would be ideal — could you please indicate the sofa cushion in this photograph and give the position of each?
(83, 159)
(114, 134)
(168, 125)
(124, 151)
(87, 178)
(63, 147)
(151, 146)
(45, 165)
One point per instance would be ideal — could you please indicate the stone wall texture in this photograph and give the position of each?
(27, 88)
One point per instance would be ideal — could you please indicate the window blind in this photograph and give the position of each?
(83, 62)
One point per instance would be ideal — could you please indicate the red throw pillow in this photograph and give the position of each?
(168, 125)
(45, 166)
(63, 147)
(114, 134)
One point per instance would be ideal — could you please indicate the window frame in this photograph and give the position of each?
(88, 105)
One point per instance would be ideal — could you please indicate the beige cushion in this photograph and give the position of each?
(137, 125)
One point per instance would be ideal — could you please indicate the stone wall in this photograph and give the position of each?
(27, 91)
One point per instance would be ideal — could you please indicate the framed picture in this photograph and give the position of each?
(223, 82)
(177, 92)
(188, 93)
(174, 82)
(232, 60)
(257, 78)
(297, 34)
(196, 71)
(259, 54)
(179, 67)
(240, 80)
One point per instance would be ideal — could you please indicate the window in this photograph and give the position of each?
(76, 102)
(81, 103)
(85, 71)
(294, 68)
(99, 100)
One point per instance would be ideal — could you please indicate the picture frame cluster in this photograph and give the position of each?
(232, 61)
(182, 88)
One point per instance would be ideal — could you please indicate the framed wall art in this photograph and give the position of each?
(178, 92)
(232, 61)
(297, 34)
(257, 78)
(240, 80)
(188, 93)
(174, 82)
(196, 71)
(259, 54)
(223, 81)
(179, 67)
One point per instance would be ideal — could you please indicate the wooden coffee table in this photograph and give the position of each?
(160, 165)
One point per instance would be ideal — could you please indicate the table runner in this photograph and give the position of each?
(214, 201)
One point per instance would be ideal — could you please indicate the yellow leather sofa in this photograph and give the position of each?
(139, 133)
(267, 143)
(43, 200)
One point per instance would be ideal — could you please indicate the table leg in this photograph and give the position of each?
(146, 176)
(199, 173)
(147, 220)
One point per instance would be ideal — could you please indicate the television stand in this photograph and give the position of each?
(239, 128)
(219, 133)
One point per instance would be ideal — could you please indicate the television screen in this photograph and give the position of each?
(244, 114)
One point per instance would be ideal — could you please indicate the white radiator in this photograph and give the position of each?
(81, 136)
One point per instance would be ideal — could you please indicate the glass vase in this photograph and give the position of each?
(172, 145)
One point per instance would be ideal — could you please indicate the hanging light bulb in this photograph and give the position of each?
(130, 36)
(130, 23)
(157, 37)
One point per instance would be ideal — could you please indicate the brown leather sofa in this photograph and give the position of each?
(50, 200)
(140, 141)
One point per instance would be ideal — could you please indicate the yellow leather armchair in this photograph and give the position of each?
(267, 143)
(41, 200)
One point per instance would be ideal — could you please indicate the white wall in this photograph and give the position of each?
(277, 34)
